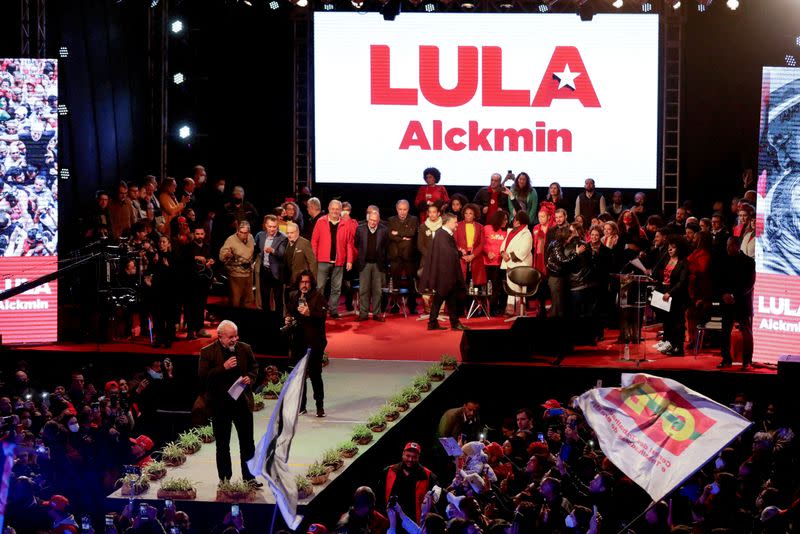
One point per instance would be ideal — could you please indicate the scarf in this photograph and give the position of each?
(512, 235)
(432, 226)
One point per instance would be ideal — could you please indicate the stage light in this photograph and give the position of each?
(791, 61)
(176, 26)
(430, 8)
(797, 41)
(701, 8)
(153, 3)
(63, 110)
(676, 5)
(327, 6)
(63, 52)
(543, 8)
(467, 5)
(617, 4)
(358, 4)
(302, 3)
(506, 5)
(702, 5)
(733, 4)
(184, 132)
(647, 7)
(178, 78)
(273, 5)
(64, 173)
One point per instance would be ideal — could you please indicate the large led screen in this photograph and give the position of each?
(473, 94)
(776, 302)
(28, 197)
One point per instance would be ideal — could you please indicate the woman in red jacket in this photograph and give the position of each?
(546, 214)
(700, 293)
(469, 241)
(430, 193)
(494, 234)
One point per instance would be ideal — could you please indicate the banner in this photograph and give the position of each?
(657, 431)
(473, 94)
(271, 459)
(776, 295)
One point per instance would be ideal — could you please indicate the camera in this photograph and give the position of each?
(288, 327)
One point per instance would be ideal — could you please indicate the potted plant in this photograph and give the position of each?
(332, 460)
(172, 454)
(155, 470)
(422, 383)
(389, 412)
(304, 488)
(177, 488)
(258, 402)
(133, 484)
(190, 442)
(400, 402)
(235, 490)
(411, 394)
(348, 449)
(325, 359)
(317, 474)
(436, 372)
(361, 434)
(205, 433)
(376, 422)
(448, 362)
(271, 391)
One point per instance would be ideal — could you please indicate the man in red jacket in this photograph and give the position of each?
(332, 244)
(408, 482)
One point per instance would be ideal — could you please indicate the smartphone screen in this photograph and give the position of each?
(234, 510)
(168, 503)
(109, 521)
(143, 510)
(541, 436)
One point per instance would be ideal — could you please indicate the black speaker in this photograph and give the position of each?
(259, 328)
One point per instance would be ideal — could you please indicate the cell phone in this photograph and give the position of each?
(234, 510)
(109, 520)
(748, 406)
(143, 510)
(392, 501)
(86, 523)
(540, 436)
(168, 503)
(174, 530)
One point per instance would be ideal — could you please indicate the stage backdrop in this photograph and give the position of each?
(29, 200)
(776, 306)
(474, 94)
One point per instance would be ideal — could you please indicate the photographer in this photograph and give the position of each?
(305, 323)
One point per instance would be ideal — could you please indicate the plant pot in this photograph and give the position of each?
(402, 408)
(378, 428)
(436, 378)
(413, 398)
(132, 490)
(449, 366)
(270, 396)
(425, 388)
(235, 496)
(155, 475)
(191, 450)
(304, 493)
(318, 480)
(392, 417)
(209, 439)
(348, 453)
(335, 466)
(364, 440)
(186, 495)
(176, 462)
(257, 407)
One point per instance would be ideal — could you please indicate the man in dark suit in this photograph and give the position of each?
(299, 257)
(443, 274)
(307, 308)
(371, 239)
(221, 364)
(402, 238)
(197, 268)
(739, 276)
(271, 249)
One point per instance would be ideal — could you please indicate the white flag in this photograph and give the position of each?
(657, 431)
(272, 454)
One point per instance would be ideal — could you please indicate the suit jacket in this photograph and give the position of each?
(442, 271)
(382, 239)
(298, 258)
(215, 380)
(400, 249)
(276, 259)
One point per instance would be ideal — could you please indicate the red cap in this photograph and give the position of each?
(413, 446)
(317, 528)
(143, 442)
(493, 449)
(551, 403)
(111, 384)
(57, 502)
(539, 448)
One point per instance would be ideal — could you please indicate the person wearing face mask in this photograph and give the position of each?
(223, 363)
(197, 266)
(238, 210)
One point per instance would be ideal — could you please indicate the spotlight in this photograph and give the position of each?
(178, 78)
(63, 52)
(63, 110)
(184, 132)
(176, 26)
(273, 5)
(543, 8)
(430, 8)
(701, 8)
(733, 4)
(702, 5)
(327, 6)
(467, 5)
(506, 5)
(797, 41)
(153, 3)
(647, 7)
(791, 61)
(617, 4)
(64, 174)
(676, 5)
(358, 4)
(248, 3)
(302, 3)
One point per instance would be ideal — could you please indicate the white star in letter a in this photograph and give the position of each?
(566, 78)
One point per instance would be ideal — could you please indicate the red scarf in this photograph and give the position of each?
(512, 235)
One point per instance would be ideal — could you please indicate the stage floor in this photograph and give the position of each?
(354, 389)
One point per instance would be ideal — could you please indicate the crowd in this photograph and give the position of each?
(699, 261)
(540, 470)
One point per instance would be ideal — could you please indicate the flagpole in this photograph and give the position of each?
(638, 517)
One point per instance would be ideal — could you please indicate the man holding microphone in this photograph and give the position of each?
(223, 364)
